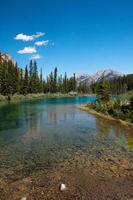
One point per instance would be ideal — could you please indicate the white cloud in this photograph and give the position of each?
(42, 43)
(39, 34)
(23, 37)
(27, 38)
(27, 50)
(35, 56)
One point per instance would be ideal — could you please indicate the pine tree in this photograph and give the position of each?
(30, 69)
(41, 83)
(74, 82)
(35, 78)
(103, 91)
(51, 82)
(60, 84)
(31, 77)
(55, 80)
(26, 81)
(16, 79)
(65, 85)
(21, 80)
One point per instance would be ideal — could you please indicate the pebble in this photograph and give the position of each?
(62, 187)
(24, 198)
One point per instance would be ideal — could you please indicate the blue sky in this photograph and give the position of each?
(81, 36)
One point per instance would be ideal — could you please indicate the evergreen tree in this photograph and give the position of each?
(35, 78)
(103, 91)
(60, 84)
(65, 85)
(26, 81)
(74, 82)
(30, 69)
(41, 83)
(51, 83)
(16, 78)
(21, 81)
(55, 80)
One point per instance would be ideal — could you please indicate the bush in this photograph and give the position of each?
(117, 103)
(2, 98)
(131, 102)
(116, 108)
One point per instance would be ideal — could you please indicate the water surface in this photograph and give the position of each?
(47, 131)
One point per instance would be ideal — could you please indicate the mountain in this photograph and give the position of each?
(84, 78)
(6, 57)
(106, 74)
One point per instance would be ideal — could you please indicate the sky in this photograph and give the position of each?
(81, 36)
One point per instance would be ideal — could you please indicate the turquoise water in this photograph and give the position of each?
(46, 131)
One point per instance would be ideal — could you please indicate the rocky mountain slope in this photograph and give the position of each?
(106, 74)
(6, 57)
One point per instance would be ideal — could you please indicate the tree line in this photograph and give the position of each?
(16, 80)
(29, 80)
(117, 86)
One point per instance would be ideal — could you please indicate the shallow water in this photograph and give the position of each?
(47, 131)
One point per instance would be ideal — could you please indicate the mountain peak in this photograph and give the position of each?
(106, 74)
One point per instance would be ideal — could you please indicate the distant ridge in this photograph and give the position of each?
(106, 74)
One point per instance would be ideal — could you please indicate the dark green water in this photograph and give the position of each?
(44, 132)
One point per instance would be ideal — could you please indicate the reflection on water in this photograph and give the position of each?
(48, 130)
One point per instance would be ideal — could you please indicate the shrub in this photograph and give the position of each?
(131, 102)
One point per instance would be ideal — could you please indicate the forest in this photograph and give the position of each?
(14, 80)
(118, 86)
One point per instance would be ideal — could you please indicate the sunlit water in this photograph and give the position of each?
(44, 132)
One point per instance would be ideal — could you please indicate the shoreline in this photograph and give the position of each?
(16, 97)
(108, 117)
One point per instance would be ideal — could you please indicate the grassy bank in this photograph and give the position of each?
(108, 117)
(19, 97)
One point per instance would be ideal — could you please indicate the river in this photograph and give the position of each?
(42, 134)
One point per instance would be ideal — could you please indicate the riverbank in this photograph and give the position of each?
(107, 117)
(19, 97)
